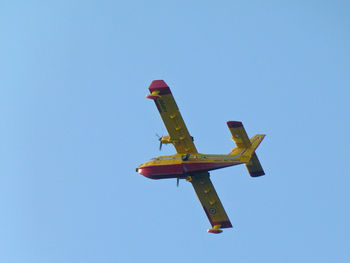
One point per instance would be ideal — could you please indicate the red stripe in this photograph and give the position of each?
(234, 124)
(164, 176)
(161, 86)
(257, 173)
(174, 170)
(155, 170)
(223, 224)
(213, 231)
(193, 167)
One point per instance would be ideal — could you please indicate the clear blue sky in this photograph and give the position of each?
(75, 124)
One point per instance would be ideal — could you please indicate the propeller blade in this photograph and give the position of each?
(177, 182)
(160, 140)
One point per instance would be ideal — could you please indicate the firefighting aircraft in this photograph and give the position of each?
(188, 164)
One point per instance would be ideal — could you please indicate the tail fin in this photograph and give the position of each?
(254, 166)
(240, 137)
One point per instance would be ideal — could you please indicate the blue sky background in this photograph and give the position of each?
(75, 124)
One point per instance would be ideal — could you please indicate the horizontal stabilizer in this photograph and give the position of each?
(239, 135)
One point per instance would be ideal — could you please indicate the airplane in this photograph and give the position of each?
(188, 164)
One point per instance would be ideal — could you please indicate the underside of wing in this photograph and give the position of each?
(210, 201)
(166, 105)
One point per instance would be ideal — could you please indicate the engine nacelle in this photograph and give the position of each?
(165, 139)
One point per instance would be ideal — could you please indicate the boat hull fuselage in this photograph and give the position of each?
(176, 167)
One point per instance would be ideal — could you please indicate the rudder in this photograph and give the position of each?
(254, 166)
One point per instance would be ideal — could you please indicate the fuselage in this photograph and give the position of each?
(180, 166)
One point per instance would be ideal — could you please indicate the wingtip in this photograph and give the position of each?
(234, 124)
(159, 85)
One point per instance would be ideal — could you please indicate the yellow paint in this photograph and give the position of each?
(238, 155)
(186, 152)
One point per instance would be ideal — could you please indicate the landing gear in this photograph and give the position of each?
(185, 157)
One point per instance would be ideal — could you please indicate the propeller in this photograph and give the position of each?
(160, 141)
(177, 181)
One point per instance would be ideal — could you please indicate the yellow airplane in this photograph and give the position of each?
(188, 164)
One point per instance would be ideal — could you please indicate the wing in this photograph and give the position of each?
(178, 133)
(210, 201)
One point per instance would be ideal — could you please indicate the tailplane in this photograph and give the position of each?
(240, 137)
